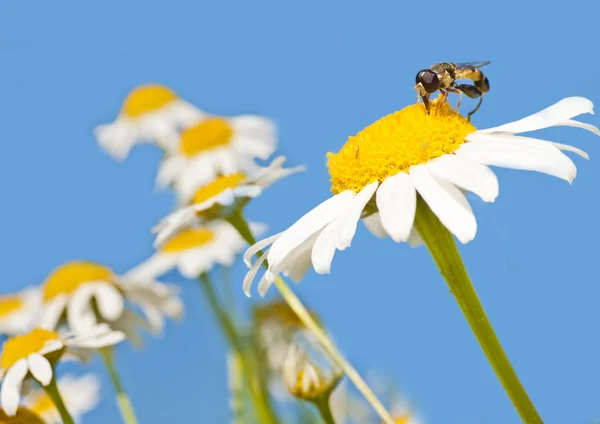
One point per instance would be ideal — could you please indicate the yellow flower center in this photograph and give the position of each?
(41, 404)
(188, 239)
(67, 278)
(207, 135)
(218, 186)
(23, 416)
(20, 347)
(404, 419)
(147, 98)
(10, 304)
(396, 142)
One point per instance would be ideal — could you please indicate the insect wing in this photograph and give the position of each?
(471, 65)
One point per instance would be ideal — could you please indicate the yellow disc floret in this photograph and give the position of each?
(23, 416)
(396, 142)
(67, 278)
(10, 304)
(207, 135)
(20, 347)
(147, 98)
(218, 186)
(188, 239)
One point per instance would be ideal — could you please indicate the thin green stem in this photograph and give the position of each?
(443, 249)
(259, 397)
(125, 406)
(322, 405)
(239, 222)
(53, 393)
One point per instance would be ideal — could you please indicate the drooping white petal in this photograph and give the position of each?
(258, 246)
(40, 368)
(466, 174)
(577, 124)
(153, 267)
(111, 302)
(52, 311)
(374, 225)
(171, 223)
(397, 203)
(551, 116)
(103, 340)
(415, 239)
(518, 154)
(349, 220)
(447, 202)
(251, 274)
(568, 148)
(309, 224)
(11, 387)
(300, 263)
(80, 315)
(324, 247)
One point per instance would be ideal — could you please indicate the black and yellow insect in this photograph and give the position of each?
(442, 76)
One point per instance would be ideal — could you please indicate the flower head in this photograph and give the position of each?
(195, 250)
(220, 197)
(379, 173)
(83, 294)
(149, 113)
(216, 146)
(18, 311)
(35, 354)
(80, 394)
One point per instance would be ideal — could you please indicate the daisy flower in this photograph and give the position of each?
(216, 146)
(83, 294)
(195, 250)
(149, 113)
(410, 155)
(80, 394)
(36, 353)
(222, 196)
(18, 311)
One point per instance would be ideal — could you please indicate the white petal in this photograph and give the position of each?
(110, 301)
(52, 311)
(173, 222)
(577, 124)
(169, 169)
(397, 203)
(349, 220)
(309, 224)
(80, 315)
(415, 239)
(153, 267)
(258, 246)
(300, 263)
(447, 202)
(374, 225)
(40, 368)
(568, 148)
(551, 116)
(529, 155)
(108, 339)
(51, 346)
(324, 248)
(250, 191)
(10, 395)
(466, 174)
(251, 274)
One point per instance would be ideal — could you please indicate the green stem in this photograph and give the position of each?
(53, 393)
(322, 405)
(123, 400)
(261, 402)
(239, 222)
(442, 247)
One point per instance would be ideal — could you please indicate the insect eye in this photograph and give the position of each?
(429, 80)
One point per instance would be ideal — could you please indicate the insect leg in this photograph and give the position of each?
(457, 91)
(472, 92)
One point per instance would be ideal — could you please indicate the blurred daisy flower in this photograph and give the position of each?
(216, 146)
(36, 353)
(410, 156)
(82, 294)
(80, 394)
(223, 196)
(194, 251)
(150, 113)
(18, 311)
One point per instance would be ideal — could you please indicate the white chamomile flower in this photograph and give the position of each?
(80, 394)
(223, 195)
(409, 157)
(82, 294)
(216, 146)
(194, 251)
(18, 311)
(150, 113)
(35, 354)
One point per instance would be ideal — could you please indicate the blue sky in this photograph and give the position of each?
(322, 71)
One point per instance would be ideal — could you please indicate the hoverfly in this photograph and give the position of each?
(442, 76)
